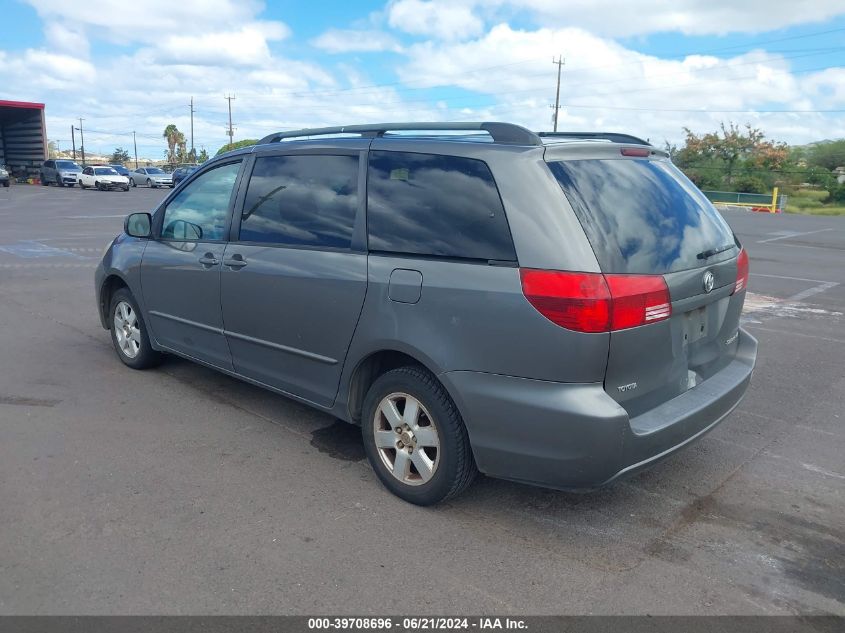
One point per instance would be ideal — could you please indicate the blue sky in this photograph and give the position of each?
(648, 67)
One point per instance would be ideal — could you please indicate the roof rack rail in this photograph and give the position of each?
(606, 136)
(507, 133)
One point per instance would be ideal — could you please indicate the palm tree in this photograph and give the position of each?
(172, 134)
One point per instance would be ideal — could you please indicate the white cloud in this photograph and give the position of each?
(617, 88)
(457, 69)
(246, 46)
(352, 40)
(459, 19)
(443, 20)
(148, 20)
(66, 38)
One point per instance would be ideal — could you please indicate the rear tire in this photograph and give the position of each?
(129, 332)
(132, 183)
(429, 458)
(44, 183)
(81, 186)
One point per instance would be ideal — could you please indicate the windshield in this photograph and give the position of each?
(154, 170)
(105, 171)
(644, 216)
(67, 164)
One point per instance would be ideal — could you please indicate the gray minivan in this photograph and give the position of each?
(556, 309)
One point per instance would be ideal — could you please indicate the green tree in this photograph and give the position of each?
(52, 149)
(120, 155)
(203, 156)
(730, 148)
(828, 154)
(174, 137)
(228, 147)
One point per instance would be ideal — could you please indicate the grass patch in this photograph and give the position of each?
(811, 194)
(816, 210)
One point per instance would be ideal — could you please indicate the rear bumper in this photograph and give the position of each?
(575, 436)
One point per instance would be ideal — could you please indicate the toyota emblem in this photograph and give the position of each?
(708, 281)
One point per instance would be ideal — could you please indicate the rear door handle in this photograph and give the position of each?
(235, 261)
(209, 260)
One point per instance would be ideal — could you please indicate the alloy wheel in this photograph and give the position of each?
(127, 329)
(406, 439)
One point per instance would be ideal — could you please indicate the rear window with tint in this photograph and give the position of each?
(428, 204)
(643, 216)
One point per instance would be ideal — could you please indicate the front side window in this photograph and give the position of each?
(301, 201)
(426, 204)
(200, 211)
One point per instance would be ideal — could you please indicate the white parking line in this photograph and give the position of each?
(791, 235)
(809, 292)
(815, 281)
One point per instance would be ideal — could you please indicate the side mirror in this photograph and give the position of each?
(182, 230)
(138, 224)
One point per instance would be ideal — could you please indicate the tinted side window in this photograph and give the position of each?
(426, 204)
(301, 201)
(201, 209)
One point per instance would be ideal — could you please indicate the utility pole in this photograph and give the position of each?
(560, 62)
(81, 140)
(73, 140)
(193, 153)
(135, 145)
(230, 131)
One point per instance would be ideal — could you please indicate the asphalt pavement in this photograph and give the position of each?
(182, 491)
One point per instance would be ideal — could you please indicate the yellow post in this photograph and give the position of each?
(775, 200)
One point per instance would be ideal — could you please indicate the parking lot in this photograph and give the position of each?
(180, 490)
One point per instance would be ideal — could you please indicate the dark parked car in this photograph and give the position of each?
(60, 172)
(121, 170)
(560, 309)
(180, 173)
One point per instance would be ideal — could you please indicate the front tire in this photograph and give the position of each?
(150, 183)
(59, 182)
(415, 438)
(129, 332)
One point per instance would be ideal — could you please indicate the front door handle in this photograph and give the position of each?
(209, 260)
(235, 261)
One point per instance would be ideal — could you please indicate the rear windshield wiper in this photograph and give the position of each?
(714, 251)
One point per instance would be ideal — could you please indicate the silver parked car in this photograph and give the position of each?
(151, 177)
(556, 309)
(60, 172)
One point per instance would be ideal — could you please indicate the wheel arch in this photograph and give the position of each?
(375, 364)
(111, 284)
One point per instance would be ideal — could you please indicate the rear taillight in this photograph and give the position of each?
(592, 302)
(741, 271)
(576, 301)
(638, 300)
